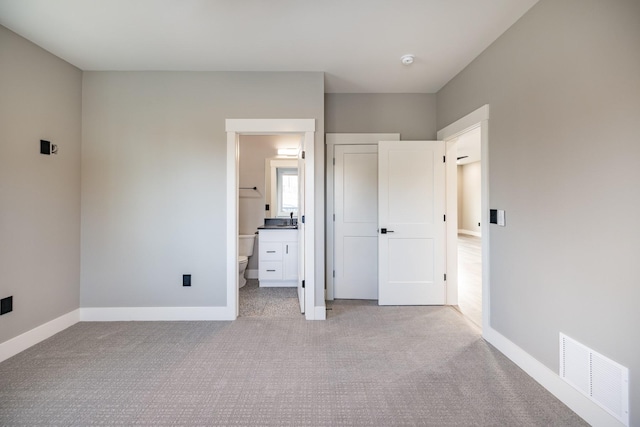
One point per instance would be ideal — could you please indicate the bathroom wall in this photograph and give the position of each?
(40, 98)
(564, 162)
(154, 179)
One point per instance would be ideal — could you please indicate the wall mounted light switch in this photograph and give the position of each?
(501, 219)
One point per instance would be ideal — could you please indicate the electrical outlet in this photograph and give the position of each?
(6, 305)
(186, 280)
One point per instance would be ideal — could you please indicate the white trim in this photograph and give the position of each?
(251, 274)
(232, 222)
(320, 313)
(576, 401)
(469, 232)
(360, 138)
(451, 211)
(235, 128)
(40, 333)
(117, 314)
(465, 124)
(333, 139)
(309, 228)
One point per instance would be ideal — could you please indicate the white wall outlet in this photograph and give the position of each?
(501, 220)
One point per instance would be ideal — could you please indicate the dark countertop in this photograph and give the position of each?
(278, 227)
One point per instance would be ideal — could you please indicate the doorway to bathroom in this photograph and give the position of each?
(305, 129)
(268, 182)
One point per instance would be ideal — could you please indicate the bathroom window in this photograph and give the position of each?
(287, 183)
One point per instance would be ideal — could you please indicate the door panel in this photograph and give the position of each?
(356, 221)
(411, 210)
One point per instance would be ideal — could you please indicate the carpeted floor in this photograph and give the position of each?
(364, 366)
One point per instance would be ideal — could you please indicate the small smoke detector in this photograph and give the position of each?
(407, 59)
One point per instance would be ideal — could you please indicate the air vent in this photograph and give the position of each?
(600, 379)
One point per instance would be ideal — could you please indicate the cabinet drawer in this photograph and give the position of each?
(270, 251)
(270, 271)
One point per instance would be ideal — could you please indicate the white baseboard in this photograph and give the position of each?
(274, 284)
(550, 380)
(114, 314)
(470, 233)
(40, 333)
(251, 274)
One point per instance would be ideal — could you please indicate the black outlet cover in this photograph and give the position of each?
(186, 280)
(6, 305)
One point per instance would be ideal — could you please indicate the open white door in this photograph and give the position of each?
(411, 207)
(301, 227)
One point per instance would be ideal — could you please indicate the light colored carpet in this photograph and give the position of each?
(364, 366)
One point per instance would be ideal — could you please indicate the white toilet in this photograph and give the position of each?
(245, 250)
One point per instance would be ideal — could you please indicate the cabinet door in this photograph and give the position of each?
(290, 261)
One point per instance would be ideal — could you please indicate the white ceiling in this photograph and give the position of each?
(357, 43)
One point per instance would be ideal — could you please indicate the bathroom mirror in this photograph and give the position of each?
(281, 184)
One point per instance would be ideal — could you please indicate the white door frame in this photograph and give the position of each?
(477, 118)
(333, 139)
(235, 128)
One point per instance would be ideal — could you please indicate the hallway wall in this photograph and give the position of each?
(563, 88)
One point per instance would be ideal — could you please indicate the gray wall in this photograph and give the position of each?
(563, 86)
(40, 98)
(413, 115)
(153, 178)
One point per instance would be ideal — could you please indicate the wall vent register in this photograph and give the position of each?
(602, 380)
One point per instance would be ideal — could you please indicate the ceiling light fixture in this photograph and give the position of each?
(407, 59)
(288, 152)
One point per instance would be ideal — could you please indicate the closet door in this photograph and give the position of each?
(356, 221)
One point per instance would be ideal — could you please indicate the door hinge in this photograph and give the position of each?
(334, 273)
(334, 217)
(303, 284)
(445, 277)
(303, 219)
(303, 154)
(445, 218)
(334, 161)
(444, 159)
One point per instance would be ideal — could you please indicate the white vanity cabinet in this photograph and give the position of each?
(278, 258)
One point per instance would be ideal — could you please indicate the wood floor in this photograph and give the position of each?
(470, 277)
